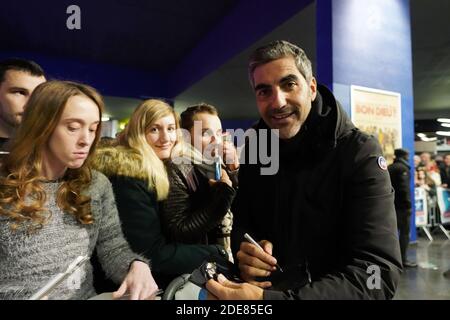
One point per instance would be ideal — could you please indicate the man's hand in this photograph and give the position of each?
(223, 178)
(230, 156)
(224, 289)
(139, 283)
(255, 263)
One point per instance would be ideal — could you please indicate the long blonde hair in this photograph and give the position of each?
(22, 178)
(134, 137)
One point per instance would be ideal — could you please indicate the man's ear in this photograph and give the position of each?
(313, 88)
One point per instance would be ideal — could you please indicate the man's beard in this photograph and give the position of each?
(13, 120)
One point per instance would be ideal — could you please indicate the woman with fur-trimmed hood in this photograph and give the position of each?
(140, 182)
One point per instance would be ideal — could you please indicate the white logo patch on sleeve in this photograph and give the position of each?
(382, 163)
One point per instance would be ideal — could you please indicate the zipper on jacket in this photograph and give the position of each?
(307, 271)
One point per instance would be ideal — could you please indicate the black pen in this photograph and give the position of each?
(252, 241)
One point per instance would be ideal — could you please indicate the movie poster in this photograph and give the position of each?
(421, 207)
(378, 113)
(443, 199)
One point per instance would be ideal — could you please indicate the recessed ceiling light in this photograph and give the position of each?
(445, 120)
(443, 133)
(424, 137)
(447, 125)
(428, 139)
(421, 135)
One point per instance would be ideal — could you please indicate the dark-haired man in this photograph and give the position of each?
(400, 178)
(328, 214)
(18, 79)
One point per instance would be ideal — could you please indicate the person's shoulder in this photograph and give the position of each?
(362, 140)
(182, 167)
(394, 167)
(120, 161)
(99, 180)
(99, 185)
(360, 146)
(358, 137)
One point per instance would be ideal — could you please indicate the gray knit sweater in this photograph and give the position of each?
(27, 262)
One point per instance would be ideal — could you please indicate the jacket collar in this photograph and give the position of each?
(401, 160)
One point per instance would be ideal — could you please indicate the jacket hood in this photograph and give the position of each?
(327, 106)
(119, 161)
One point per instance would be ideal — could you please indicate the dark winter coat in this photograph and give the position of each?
(140, 217)
(330, 207)
(195, 211)
(400, 179)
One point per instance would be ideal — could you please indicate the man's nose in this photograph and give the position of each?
(279, 99)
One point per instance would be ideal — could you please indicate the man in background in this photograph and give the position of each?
(18, 79)
(445, 172)
(400, 179)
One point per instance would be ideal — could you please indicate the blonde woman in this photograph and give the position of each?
(54, 208)
(136, 169)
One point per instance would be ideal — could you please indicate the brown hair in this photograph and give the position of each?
(22, 178)
(188, 115)
(277, 50)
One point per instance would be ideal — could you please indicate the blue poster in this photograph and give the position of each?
(421, 207)
(443, 197)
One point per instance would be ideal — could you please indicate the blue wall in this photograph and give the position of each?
(371, 47)
(108, 79)
(236, 30)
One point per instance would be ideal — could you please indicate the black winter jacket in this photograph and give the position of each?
(400, 179)
(445, 175)
(140, 217)
(330, 206)
(193, 209)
